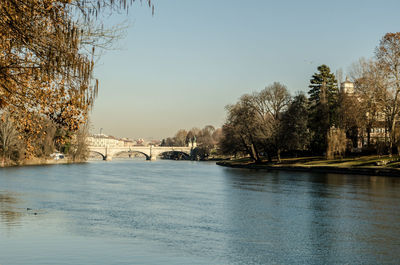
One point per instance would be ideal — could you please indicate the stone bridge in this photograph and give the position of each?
(150, 152)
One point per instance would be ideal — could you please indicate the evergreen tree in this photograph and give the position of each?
(324, 79)
(323, 106)
(295, 133)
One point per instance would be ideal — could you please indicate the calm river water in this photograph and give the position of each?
(180, 212)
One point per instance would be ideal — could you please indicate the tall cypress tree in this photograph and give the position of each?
(323, 106)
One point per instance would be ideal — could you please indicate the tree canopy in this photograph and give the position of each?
(388, 57)
(47, 52)
(323, 106)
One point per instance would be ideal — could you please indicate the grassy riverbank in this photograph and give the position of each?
(365, 165)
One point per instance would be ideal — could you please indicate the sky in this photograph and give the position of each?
(179, 68)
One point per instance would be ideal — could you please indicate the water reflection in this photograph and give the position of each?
(9, 212)
(315, 218)
(322, 228)
(198, 212)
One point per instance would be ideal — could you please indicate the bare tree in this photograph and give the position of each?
(388, 55)
(205, 141)
(180, 138)
(339, 76)
(254, 122)
(243, 121)
(371, 89)
(269, 104)
(8, 137)
(274, 99)
(79, 150)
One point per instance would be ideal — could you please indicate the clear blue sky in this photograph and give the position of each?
(180, 67)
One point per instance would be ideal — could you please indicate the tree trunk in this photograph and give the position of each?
(251, 153)
(368, 136)
(393, 118)
(4, 157)
(248, 150)
(254, 150)
(255, 153)
(392, 135)
(327, 151)
(278, 155)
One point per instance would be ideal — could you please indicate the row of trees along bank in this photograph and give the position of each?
(329, 121)
(47, 54)
(204, 141)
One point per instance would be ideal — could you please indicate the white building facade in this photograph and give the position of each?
(102, 140)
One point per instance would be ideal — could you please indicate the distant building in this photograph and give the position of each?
(347, 86)
(102, 140)
(140, 142)
(378, 133)
(128, 142)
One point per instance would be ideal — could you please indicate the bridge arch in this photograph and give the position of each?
(175, 154)
(130, 152)
(150, 152)
(99, 153)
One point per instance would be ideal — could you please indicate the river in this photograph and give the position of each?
(182, 212)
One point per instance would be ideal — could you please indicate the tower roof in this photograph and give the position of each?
(347, 86)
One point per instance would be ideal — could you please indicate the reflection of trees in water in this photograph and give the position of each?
(354, 211)
(9, 213)
(327, 218)
(174, 155)
(127, 154)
